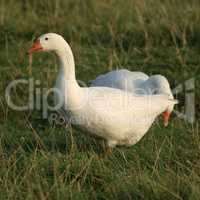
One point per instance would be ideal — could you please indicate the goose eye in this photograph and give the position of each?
(46, 38)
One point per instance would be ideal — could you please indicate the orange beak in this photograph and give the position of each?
(35, 47)
(166, 116)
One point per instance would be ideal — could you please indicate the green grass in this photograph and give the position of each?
(42, 161)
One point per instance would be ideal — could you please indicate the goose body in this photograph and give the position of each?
(118, 116)
(113, 114)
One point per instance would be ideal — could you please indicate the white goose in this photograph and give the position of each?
(137, 83)
(113, 114)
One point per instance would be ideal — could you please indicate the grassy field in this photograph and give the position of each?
(43, 161)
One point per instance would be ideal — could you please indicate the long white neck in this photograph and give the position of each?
(66, 62)
(70, 87)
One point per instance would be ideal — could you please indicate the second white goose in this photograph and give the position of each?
(138, 83)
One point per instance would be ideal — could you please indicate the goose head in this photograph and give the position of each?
(158, 84)
(48, 42)
(162, 87)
